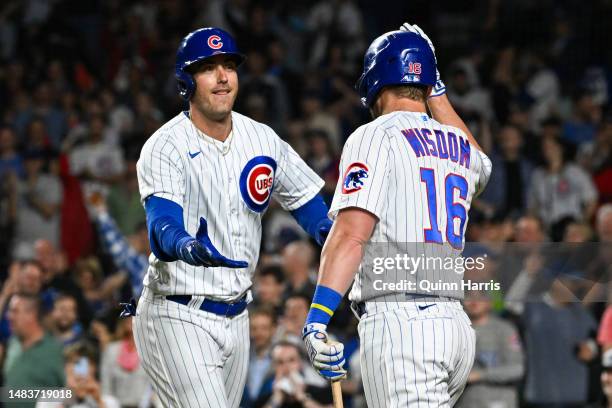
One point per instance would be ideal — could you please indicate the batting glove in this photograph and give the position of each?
(439, 88)
(199, 251)
(323, 231)
(327, 358)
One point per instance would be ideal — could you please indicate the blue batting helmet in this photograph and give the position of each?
(396, 58)
(197, 46)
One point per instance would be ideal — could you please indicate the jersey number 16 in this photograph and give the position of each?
(453, 209)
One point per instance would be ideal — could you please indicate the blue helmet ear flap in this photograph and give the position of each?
(185, 83)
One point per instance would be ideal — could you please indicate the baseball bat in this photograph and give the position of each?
(336, 388)
(337, 394)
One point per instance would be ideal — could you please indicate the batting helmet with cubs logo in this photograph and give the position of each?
(198, 46)
(396, 58)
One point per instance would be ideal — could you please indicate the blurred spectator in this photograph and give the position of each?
(263, 325)
(123, 201)
(507, 191)
(81, 368)
(604, 335)
(37, 137)
(259, 31)
(57, 278)
(10, 160)
(33, 357)
(542, 87)
(577, 233)
(291, 386)
(129, 254)
(45, 109)
(280, 67)
(583, 123)
(604, 223)
(529, 230)
(257, 82)
(557, 371)
(39, 201)
(298, 261)
(316, 117)
(64, 320)
(121, 374)
(281, 228)
(293, 318)
(120, 116)
(498, 366)
(560, 191)
(8, 216)
(471, 102)
(322, 159)
(95, 162)
(338, 21)
(269, 287)
(596, 156)
(88, 277)
(606, 377)
(25, 277)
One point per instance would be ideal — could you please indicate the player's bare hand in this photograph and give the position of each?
(201, 252)
(327, 358)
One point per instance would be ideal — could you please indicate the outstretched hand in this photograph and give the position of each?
(201, 252)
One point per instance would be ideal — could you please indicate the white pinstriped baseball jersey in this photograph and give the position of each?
(228, 183)
(418, 177)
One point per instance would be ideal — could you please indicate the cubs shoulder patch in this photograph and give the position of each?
(257, 182)
(354, 176)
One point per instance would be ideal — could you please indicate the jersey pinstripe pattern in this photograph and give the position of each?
(413, 357)
(195, 358)
(207, 185)
(418, 352)
(394, 192)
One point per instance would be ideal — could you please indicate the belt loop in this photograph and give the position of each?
(355, 309)
(196, 301)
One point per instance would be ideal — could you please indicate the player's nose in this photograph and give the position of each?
(221, 74)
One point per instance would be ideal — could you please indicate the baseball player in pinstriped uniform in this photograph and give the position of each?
(404, 178)
(206, 178)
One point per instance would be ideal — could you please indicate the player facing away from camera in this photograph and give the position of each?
(206, 178)
(405, 178)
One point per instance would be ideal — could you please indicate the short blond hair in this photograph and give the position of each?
(416, 93)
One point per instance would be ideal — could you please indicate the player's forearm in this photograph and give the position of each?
(166, 227)
(442, 111)
(339, 261)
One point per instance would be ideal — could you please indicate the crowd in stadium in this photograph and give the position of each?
(84, 84)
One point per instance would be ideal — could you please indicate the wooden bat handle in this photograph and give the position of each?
(337, 394)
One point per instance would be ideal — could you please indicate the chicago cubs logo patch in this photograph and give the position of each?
(214, 42)
(353, 177)
(257, 181)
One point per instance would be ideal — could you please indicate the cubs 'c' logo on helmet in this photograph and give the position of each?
(257, 182)
(353, 177)
(214, 42)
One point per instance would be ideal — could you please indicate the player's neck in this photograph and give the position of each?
(388, 103)
(218, 130)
